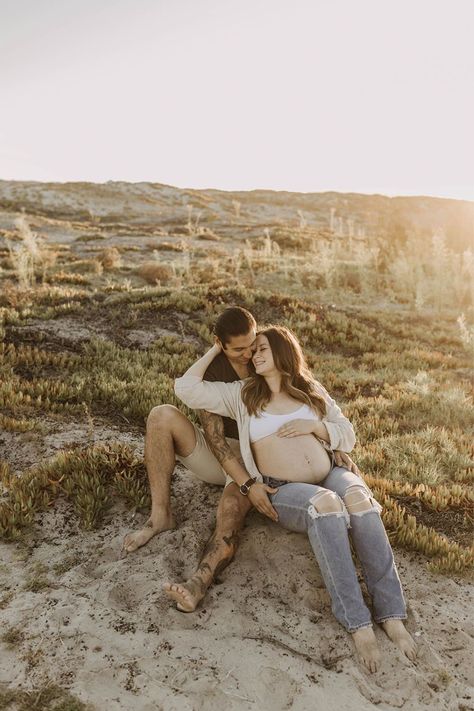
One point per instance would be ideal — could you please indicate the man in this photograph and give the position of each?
(212, 454)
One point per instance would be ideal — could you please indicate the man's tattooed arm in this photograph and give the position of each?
(213, 427)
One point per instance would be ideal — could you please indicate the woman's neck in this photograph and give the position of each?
(274, 382)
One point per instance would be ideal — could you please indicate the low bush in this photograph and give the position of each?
(156, 273)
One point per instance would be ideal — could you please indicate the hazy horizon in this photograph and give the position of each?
(369, 98)
(243, 190)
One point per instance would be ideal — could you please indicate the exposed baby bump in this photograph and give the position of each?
(300, 458)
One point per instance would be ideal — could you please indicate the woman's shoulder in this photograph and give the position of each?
(321, 390)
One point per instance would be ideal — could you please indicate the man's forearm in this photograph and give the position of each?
(213, 427)
(235, 469)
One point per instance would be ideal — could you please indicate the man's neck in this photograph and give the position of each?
(241, 369)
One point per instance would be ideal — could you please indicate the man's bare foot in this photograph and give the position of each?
(186, 595)
(366, 645)
(135, 540)
(398, 633)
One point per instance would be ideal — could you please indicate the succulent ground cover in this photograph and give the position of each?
(404, 384)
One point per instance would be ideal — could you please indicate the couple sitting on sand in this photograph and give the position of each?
(277, 441)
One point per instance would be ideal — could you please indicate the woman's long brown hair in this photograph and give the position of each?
(297, 379)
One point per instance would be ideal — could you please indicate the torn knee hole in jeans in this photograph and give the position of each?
(316, 513)
(359, 501)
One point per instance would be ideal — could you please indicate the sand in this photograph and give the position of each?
(264, 638)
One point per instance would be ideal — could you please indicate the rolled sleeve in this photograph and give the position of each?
(216, 397)
(340, 430)
(341, 435)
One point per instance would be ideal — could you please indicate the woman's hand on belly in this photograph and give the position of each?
(299, 427)
(296, 428)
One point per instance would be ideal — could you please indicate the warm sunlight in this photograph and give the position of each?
(306, 96)
(236, 350)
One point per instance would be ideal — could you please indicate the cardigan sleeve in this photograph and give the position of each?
(217, 397)
(340, 430)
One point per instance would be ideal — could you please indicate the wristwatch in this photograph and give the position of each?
(245, 488)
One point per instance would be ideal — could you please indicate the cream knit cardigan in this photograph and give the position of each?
(226, 399)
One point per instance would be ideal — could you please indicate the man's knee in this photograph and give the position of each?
(326, 502)
(358, 499)
(162, 417)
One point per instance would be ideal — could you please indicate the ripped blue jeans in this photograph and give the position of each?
(296, 504)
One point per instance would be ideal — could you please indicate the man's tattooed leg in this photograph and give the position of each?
(218, 553)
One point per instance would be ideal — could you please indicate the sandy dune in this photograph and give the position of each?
(264, 639)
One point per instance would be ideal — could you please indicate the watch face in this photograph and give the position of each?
(244, 489)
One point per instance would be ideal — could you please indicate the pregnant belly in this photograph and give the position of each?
(300, 458)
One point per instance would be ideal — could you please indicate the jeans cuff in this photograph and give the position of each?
(362, 626)
(379, 620)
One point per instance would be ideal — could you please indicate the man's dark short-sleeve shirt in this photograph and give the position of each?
(221, 370)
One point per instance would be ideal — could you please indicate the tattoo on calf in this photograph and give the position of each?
(196, 586)
(211, 547)
(204, 568)
(233, 539)
(223, 564)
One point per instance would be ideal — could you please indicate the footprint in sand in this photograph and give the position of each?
(275, 688)
(123, 597)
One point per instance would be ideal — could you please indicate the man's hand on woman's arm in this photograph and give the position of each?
(213, 427)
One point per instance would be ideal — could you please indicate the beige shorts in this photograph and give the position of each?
(203, 464)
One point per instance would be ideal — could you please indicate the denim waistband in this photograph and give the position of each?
(274, 483)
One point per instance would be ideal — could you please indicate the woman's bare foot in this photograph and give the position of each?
(366, 645)
(186, 595)
(398, 633)
(135, 540)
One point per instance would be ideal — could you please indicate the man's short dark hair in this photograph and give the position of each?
(234, 321)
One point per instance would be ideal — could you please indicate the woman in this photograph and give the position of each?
(288, 427)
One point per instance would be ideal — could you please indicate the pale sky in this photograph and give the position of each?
(303, 95)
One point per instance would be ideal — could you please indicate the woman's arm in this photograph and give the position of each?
(333, 428)
(339, 428)
(199, 394)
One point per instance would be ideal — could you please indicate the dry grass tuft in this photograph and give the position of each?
(29, 255)
(12, 636)
(86, 266)
(155, 273)
(110, 259)
(48, 697)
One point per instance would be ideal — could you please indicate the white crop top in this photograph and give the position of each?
(267, 424)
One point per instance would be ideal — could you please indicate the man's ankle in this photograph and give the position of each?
(159, 513)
